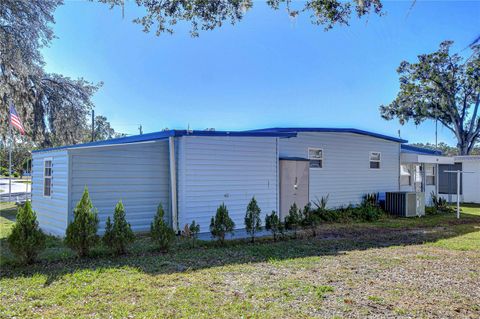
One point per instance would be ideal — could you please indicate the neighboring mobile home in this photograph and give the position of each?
(419, 169)
(192, 172)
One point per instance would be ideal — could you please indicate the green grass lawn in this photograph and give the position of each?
(420, 267)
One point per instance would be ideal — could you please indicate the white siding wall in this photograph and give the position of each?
(346, 173)
(137, 174)
(216, 170)
(51, 211)
(471, 181)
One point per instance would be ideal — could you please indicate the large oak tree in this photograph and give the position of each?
(444, 86)
(164, 15)
(54, 108)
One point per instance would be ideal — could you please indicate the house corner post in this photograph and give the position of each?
(173, 183)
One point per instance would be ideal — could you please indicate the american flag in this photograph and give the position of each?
(15, 120)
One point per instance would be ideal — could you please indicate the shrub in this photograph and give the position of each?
(252, 218)
(321, 204)
(119, 234)
(273, 224)
(440, 204)
(194, 230)
(162, 234)
(294, 219)
(221, 224)
(82, 232)
(371, 199)
(26, 239)
(3, 171)
(16, 174)
(311, 219)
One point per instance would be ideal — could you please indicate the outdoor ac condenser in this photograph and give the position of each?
(405, 204)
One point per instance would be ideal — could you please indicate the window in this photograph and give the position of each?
(375, 160)
(430, 174)
(315, 155)
(405, 175)
(47, 177)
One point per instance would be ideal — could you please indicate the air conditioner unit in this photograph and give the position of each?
(405, 204)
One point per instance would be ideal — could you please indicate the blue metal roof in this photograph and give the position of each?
(166, 134)
(331, 130)
(419, 150)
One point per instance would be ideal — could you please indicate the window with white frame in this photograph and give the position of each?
(315, 155)
(430, 174)
(405, 175)
(47, 177)
(375, 158)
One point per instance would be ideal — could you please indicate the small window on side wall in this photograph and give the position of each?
(430, 174)
(315, 155)
(47, 178)
(375, 159)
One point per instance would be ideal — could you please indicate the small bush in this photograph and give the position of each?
(370, 199)
(221, 224)
(274, 224)
(162, 234)
(194, 231)
(119, 234)
(311, 219)
(82, 232)
(26, 239)
(16, 174)
(294, 219)
(321, 204)
(191, 232)
(440, 205)
(252, 218)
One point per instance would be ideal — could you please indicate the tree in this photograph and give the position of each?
(446, 149)
(103, 130)
(208, 15)
(294, 219)
(26, 239)
(81, 234)
(42, 100)
(441, 86)
(274, 224)
(160, 232)
(221, 224)
(252, 218)
(311, 218)
(119, 234)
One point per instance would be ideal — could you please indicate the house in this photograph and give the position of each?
(469, 181)
(192, 172)
(419, 169)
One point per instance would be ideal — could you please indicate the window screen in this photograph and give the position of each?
(430, 174)
(47, 178)
(315, 155)
(375, 158)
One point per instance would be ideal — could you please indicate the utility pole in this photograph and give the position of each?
(140, 129)
(93, 125)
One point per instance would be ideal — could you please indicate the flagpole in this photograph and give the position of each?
(10, 157)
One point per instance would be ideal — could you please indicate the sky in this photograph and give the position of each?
(266, 71)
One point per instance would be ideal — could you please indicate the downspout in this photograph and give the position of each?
(173, 183)
(399, 165)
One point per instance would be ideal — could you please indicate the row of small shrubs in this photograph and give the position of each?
(4, 172)
(27, 239)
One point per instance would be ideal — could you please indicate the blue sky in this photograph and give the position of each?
(265, 71)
